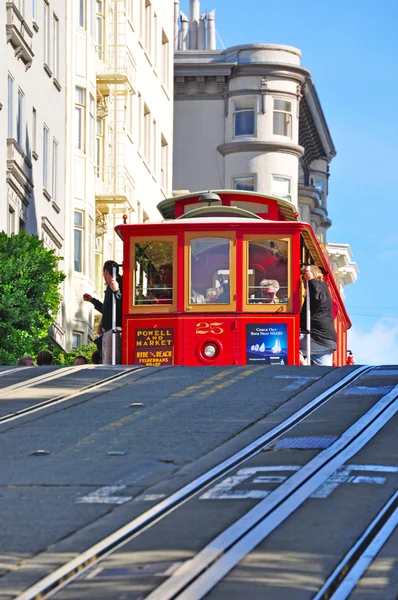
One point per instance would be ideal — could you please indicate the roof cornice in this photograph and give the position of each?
(318, 115)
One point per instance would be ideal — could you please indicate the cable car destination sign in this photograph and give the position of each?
(154, 347)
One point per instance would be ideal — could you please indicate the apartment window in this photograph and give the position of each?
(81, 13)
(55, 64)
(34, 131)
(154, 151)
(99, 40)
(20, 118)
(34, 10)
(282, 118)
(77, 339)
(46, 33)
(10, 106)
(78, 240)
(130, 109)
(164, 163)
(130, 9)
(80, 105)
(319, 184)
(165, 60)
(99, 145)
(244, 183)
(90, 254)
(147, 133)
(98, 263)
(148, 27)
(20, 6)
(155, 40)
(281, 187)
(140, 124)
(55, 169)
(11, 220)
(46, 135)
(92, 128)
(244, 122)
(92, 9)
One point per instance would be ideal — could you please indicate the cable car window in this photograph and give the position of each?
(210, 271)
(268, 272)
(153, 273)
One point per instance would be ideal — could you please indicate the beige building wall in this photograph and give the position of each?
(119, 136)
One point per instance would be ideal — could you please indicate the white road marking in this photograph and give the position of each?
(106, 494)
(224, 490)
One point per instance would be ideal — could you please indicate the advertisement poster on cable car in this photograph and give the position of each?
(154, 347)
(266, 343)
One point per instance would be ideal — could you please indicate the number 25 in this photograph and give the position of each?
(214, 328)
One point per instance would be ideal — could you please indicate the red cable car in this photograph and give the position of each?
(218, 283)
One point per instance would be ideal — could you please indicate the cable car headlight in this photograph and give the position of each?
(210, 350)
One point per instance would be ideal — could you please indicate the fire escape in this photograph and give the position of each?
(115, 77)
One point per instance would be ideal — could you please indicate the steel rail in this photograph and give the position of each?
(65, 574)
(198, 576)
(63, 398)
(39, 379)
(4, 373)
(346, 575)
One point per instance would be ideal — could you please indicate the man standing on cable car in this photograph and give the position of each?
(113, 288)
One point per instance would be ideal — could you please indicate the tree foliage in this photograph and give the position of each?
(29, 294)
(64, 358)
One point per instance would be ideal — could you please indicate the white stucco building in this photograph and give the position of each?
(249, 118)
(32, 122)
(86, 132)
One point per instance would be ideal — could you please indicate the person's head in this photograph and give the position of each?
(44, 357)
(211, 295)
(96, 357)
(80, 360)
(311, 272)
(268, 290)
(109, 266)
(25, 361)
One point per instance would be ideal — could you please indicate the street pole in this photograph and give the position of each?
(114, 330)
(308, 325)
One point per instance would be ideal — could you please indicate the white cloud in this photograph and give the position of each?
(376, 347)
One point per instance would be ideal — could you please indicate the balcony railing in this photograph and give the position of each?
(115, 186)
(115, 67)
(19, 34)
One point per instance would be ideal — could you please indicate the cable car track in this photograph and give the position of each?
(67, 573)
(57, 399)
(346, 575)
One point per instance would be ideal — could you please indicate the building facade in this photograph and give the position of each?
(32, 123)
(119, 135)
(249, 118)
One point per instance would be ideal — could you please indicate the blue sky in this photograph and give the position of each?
(351, 50)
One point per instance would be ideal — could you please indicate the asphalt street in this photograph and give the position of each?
(75, 471)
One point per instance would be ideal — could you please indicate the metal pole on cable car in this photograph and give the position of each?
(114, 330)
(308, 324)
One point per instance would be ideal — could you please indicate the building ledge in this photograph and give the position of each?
(340, 255)
(19, 168)
(259, 146)
(51, 232)
(19, 35)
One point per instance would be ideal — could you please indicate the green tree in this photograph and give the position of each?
(29, 294)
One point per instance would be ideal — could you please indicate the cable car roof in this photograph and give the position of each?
(285, 210)
(219, 211)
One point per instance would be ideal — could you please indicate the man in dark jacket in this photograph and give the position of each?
(323, 334)
(113, 289)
